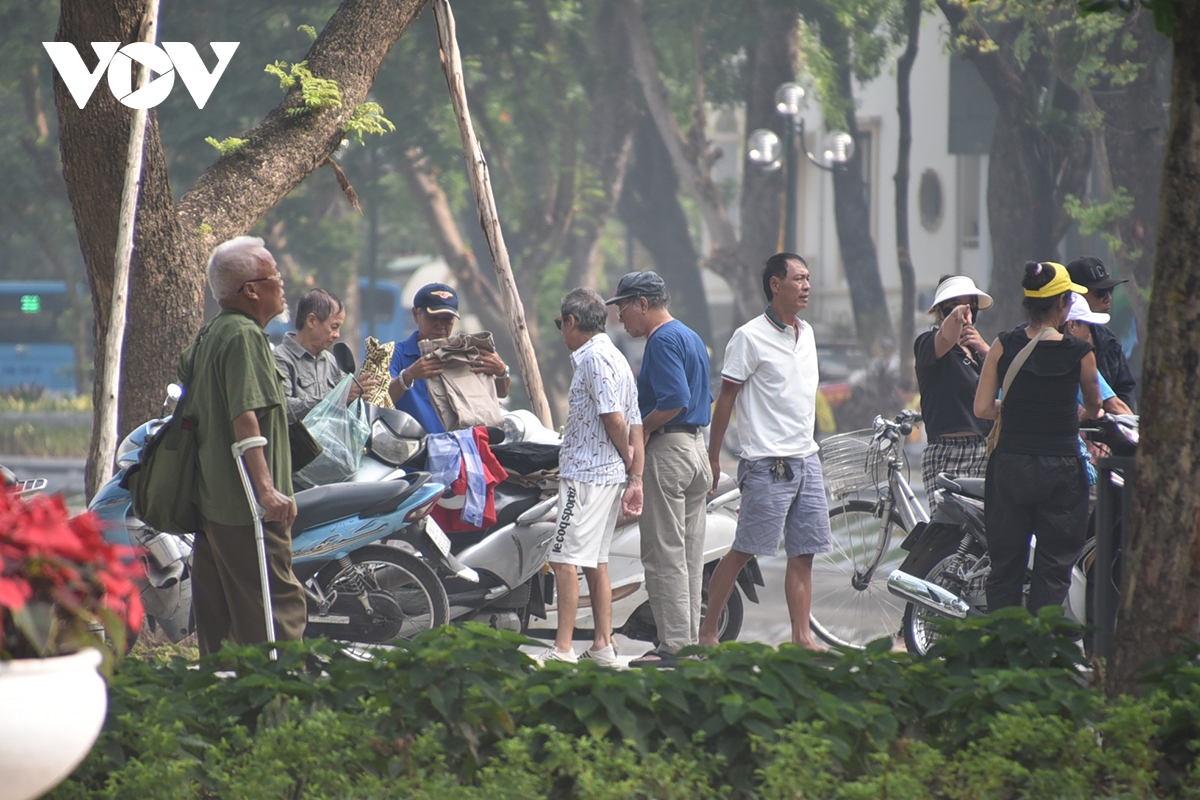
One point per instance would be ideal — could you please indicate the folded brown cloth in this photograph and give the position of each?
(462, 398)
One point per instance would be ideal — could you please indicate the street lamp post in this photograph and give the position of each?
(763, 148)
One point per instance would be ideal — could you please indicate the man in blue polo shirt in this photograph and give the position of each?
(675, 404)
(435, 310)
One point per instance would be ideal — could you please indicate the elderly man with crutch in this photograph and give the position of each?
(237, 398)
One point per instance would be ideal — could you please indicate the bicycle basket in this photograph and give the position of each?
(851, 464)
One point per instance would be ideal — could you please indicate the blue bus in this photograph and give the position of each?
(36, 345)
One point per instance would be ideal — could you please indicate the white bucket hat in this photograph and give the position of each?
(1082, 312)
(959, 286)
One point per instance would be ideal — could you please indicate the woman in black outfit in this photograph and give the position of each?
(1036, 483)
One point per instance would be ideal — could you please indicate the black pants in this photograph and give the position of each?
(1028, 495)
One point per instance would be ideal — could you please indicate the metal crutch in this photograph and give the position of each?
(257, 511)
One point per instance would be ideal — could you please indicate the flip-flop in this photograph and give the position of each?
(656, 658)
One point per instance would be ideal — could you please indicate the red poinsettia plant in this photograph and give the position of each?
(62, 586)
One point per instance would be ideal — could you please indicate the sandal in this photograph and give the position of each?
(656, 658)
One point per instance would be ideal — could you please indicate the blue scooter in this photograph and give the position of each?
(358, 588)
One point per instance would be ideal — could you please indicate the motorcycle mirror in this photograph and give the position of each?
(344, 357)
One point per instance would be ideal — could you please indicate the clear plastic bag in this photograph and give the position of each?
(342, 430)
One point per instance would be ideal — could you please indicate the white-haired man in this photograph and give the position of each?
(235, 392)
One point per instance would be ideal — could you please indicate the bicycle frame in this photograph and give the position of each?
(899, 497)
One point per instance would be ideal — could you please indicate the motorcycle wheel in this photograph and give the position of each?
(851, 607)
(420, 598)
(729, 624)
(941, 568)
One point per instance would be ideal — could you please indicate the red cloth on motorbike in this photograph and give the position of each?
(450, 519)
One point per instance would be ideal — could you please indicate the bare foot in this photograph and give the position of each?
(709, 641)
(811, 645)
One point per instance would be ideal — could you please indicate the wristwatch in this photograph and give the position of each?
(406, 384)
(507, 372)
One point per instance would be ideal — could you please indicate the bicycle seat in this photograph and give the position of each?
(971, 487)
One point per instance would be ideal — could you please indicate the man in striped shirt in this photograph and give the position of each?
(600, 472)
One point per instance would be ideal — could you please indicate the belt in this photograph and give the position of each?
(961, 439)
(677, 428)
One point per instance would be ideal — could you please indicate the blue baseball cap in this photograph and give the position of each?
(437, 298)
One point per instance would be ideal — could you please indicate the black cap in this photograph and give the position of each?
(437, 298)
(1091, 272)
(638, 284)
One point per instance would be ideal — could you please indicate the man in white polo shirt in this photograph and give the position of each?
(770, 374)
(600, 472)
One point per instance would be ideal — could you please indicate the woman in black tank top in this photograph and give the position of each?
(1036, 480)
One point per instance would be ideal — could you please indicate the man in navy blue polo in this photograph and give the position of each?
(676, 406)
(435, 310)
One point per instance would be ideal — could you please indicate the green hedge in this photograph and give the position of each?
(1000, 709)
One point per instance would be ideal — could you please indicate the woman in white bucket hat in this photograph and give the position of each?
(948, 360)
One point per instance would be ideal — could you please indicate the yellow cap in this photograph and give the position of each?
(1061, 282)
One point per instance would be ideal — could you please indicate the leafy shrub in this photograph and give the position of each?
(461, 713)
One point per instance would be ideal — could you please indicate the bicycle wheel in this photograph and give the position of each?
(851, 605)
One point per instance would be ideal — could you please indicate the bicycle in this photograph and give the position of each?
(851, 604)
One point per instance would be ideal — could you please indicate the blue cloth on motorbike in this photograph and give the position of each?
(448, 453)
(1106, 392)
(415, 402)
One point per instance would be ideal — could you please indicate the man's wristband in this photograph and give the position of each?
(405, 383)
(634, 478)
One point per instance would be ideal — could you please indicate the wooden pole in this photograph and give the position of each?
(489, 219)
(118, 310)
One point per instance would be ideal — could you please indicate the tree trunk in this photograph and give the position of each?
(1031, 167)
(651, 211)
(609, 144)
(1160, 587)
(1135, 133)
(908, 275)
(852, 209)
(173, 240)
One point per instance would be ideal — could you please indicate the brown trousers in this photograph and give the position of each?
(227, 591)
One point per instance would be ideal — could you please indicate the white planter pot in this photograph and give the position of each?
(51, 711)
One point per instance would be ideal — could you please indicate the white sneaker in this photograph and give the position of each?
(605, 656)
(552, 654)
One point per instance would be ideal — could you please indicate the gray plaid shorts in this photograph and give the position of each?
(963, 456)
(793, 510)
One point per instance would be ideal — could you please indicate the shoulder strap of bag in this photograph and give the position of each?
(1019, 362)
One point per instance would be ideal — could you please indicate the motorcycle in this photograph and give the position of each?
(358, 588)
(945, 574)
(631, 613)
(511, 587)
(10, 481)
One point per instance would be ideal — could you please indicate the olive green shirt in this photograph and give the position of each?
(228, 371)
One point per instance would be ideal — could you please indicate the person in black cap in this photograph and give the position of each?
(1091, 272)
(435, 310)
(673, 397)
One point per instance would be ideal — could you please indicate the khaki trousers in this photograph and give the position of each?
(676, 481)
(227, 592)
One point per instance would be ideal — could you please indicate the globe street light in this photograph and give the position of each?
(763, 149)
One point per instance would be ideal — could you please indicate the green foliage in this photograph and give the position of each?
(316, 93)
(228, 145)
(368, 118)
(462, 713)
(309, 31)
(1103, 218)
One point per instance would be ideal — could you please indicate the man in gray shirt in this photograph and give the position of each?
(309, 369)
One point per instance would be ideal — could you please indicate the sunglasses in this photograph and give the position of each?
(558, 322)
(1101, 293)
(949, 307)
(257, 280)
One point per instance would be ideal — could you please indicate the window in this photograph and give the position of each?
(929, 200)
(969, 188)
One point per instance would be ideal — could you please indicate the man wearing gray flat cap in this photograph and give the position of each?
(676, 406)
